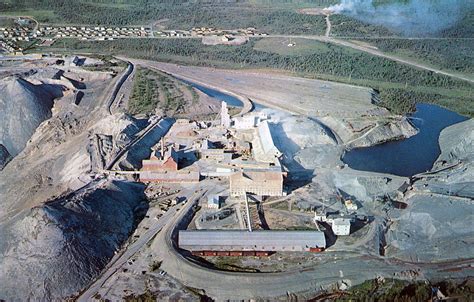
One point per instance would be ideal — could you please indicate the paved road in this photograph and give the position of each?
(121, 259)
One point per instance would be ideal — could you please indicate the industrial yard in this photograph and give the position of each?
(243, 151)
(219, 190)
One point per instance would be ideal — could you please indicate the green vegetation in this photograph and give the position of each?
(463, 29)
(336, 64)
(7, 22)
(343, 26)
(147, 296)
(452, 54)
(401, 290)
(107, 64)
(176, 14)
(232, 264)
(300, 47)
(154, 90)
(155, 265)
(144, 97)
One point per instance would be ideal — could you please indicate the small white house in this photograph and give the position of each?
(213, 202)
(341, 226)
(350, 205)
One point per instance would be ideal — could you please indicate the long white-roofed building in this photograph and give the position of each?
(257, 241)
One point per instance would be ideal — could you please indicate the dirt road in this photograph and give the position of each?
(121, 259)
(118, 85)
(328, 26)
(376, 52)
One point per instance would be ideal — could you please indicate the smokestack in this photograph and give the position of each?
(163, 148)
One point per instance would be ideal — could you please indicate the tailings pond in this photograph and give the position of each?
(230, 100)
(409, 156)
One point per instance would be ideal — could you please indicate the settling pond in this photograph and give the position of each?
(409, 156)
(230, 100)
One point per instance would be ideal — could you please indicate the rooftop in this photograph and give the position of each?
(258, 240)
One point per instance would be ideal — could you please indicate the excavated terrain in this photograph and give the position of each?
(62, 217)
(61, 220)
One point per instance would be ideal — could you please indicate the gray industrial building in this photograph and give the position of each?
(238, 240)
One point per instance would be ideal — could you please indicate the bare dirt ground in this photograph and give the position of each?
(219, 40)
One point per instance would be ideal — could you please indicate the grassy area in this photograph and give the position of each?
(145, 95)
(395, 81)
(7, 22)
(299, 47)
(231, 264)
(154, 90)
(40, 15)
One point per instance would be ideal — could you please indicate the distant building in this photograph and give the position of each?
(181, 176)
(350, 205)
(259, 182)
(248, 121)
(340, 224)
(208, 152)
(76, 61)
(215, 241)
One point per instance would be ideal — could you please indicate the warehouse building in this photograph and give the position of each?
(258, 182)
(181, 176)
(218, 241)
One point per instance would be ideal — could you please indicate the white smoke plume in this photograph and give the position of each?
(413, 17)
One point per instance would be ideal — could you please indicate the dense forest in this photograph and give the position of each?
(452, 54)
(338, 64)
(171, 13)
(343, 26)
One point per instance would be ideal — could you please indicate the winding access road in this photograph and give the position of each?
(120, 259)
(118, 85)
(375, 52)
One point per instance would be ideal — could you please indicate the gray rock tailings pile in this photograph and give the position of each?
(305, 143)
(66, 242)
(387, 131)
(432, 228)
(5, 156)
(438, 223)
(23, 106)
